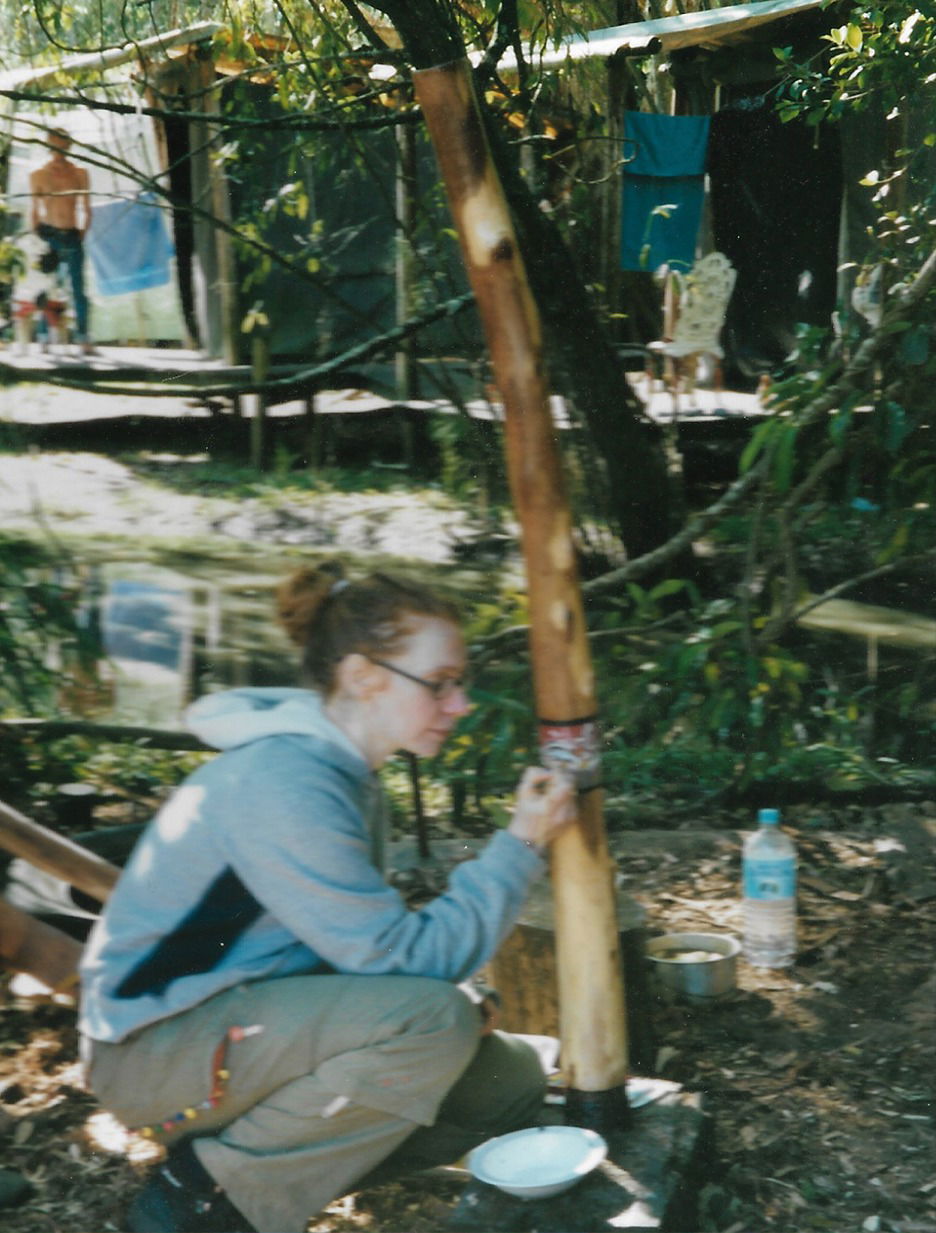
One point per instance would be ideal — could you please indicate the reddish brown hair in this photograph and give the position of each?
(329, 616)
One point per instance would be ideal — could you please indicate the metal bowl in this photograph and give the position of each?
(696, 966)
(541, 1161)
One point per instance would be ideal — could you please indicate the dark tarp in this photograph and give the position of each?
(350, 183)
(776, 194)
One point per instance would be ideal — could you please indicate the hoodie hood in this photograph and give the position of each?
(239, 716)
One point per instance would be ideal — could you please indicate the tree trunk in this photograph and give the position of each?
(580, 347)
(591, 991)
(589, 370)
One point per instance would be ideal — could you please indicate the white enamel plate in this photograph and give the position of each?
(538, 1162)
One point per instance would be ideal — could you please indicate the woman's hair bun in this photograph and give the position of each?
(299, 598)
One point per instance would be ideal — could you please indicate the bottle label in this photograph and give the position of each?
(770, 879)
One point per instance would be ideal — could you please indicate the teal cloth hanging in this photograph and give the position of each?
(663, 189)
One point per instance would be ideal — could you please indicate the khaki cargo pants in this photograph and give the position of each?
(322, 1079)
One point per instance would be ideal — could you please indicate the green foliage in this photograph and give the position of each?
(11, 258)
(36, 610)
(710, 689)
(492, 744)
(45, 30)
(47, 649)
(124, 768)
(699, 701)
(472, 458)
(879, 58)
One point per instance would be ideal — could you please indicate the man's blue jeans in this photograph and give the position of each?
(66, 244)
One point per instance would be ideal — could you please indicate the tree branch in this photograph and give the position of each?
(311, 376)
(879, 572)
(696, 526)
(362, 24)
(292, 123)
(54, 729)
(429, 30)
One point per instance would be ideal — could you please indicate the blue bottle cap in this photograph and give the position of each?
(768, 817)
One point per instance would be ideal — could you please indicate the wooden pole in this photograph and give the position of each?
(221, 208)
(407, 376)
(422, 829)
(314, 428)
(405, 361)
(259, 371)
(56, 855)
(591, 993)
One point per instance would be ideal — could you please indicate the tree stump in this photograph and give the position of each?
(650, 1181)
(524, 973)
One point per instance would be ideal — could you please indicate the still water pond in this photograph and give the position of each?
(165, 637)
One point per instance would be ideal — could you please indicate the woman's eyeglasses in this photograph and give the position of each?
(440, 690)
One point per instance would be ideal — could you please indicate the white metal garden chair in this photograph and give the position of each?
(701, 301)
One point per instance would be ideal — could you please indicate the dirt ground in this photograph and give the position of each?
(818, 1079)
(87, 495)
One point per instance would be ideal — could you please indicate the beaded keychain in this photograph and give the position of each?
(219, 1077)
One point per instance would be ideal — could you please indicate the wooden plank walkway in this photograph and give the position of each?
(873, 622)
(155, 372)
(167, 382)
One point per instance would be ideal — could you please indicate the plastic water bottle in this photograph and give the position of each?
(768, 866)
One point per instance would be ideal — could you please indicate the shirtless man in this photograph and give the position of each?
(61, 215)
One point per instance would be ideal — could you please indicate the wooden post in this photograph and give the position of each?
(28, 945)
(32, 946)
(214, 266)
(56, 855)
(422, 830)
(407, 376)
(221, 208)
(259, 370)
(314, 431)
(591, 992)
(405, 361)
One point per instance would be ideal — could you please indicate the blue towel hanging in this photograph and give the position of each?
(129, 246)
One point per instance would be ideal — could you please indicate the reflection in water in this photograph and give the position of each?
(162, 638)
(147, 639)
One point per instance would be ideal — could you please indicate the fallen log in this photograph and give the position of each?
(52, 729)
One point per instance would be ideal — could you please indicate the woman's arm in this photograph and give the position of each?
(300, 845)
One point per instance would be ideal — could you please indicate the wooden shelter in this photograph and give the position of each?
(781, 200)
(125, 152)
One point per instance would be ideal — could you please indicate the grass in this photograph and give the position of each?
(199, 475)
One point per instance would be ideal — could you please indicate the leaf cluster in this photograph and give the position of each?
(879, 57)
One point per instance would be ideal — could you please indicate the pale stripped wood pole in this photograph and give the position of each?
(590, 982)
(29, 945)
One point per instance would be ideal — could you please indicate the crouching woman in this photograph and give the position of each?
(256, 996)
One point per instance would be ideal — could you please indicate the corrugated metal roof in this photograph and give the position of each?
(709, 28)
(38, 74)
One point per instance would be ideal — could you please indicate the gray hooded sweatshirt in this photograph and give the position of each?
(267, 862)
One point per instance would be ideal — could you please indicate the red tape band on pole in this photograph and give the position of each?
(573, 746)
